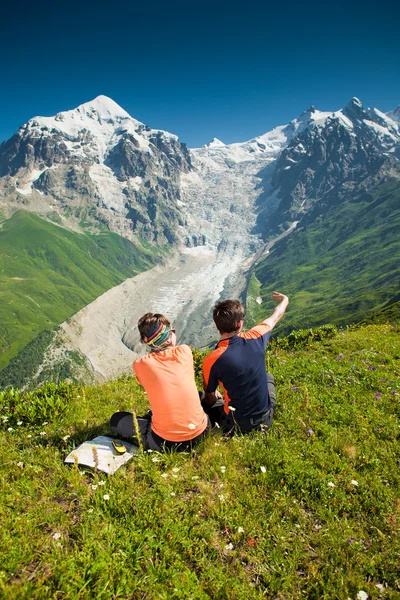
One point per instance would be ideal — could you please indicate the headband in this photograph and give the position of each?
(158, 337)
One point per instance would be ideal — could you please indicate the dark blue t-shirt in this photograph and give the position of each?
(238, 365)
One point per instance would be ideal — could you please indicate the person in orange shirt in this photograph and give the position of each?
(167, 374)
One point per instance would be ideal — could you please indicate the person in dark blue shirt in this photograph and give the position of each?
(238, 365)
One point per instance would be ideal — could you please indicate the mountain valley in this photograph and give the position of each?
(325, 188)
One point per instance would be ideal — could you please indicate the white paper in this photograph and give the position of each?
(99, 453)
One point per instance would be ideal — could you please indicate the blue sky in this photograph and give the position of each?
(231, 70)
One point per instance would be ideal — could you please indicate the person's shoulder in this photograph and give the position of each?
(137, 363)
(211, 358)
(183, 352)
(143, 360)
(183, 348)
(256, 332)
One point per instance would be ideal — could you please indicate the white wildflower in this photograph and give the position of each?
(155, 459)
(195, 477)
(221, 497)
(380, 586)
(90, 510)
(223, 468)
(331, 484)
(94, 486)
(106, 497)
(29, 436)
(175, 469)
(5, 419)
(42, 433)
(20, 464)
(66, 437)
(56, 535)
(19, 423)
(263, 469)
(240, 530)
(10, 429)
(362, 595)
(102, 483)
(354, 482)
(172, 494)
(229, 547)
(44, 424)
(164, 475)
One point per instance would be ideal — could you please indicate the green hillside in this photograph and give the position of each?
(309, 510)
(48, 273)
(339, 268)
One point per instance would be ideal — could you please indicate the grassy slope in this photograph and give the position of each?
(177, 526)
(48, 273)
(339, 268)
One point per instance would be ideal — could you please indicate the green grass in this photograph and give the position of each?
(178, 526)
(339, 268)
(254, 311)
(48, 273)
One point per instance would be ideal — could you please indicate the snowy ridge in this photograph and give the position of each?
(117, 160)
(281, 165)
(394, 114)
(216, 155)
(92, 129)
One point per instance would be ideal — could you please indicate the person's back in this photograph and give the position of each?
(168, 379)
(167, 375)
(238, 365)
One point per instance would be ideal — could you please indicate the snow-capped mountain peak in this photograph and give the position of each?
(105, 107)
(215, 143)
(101, 117)
(308, 118)
(394, 114)
(355, 110)
(97, 153)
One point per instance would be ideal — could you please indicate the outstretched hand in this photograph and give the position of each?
(278, 297)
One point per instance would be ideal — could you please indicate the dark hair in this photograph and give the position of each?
(227, 315)
(147, 322)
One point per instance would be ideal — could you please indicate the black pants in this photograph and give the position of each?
(228, 423)
(121, 424)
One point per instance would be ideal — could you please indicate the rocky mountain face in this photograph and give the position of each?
(395, 114)
(97, 164)
(344, 153)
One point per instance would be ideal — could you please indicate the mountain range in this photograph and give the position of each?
(311, 207)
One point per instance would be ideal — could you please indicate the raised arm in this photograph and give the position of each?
(279, 310)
